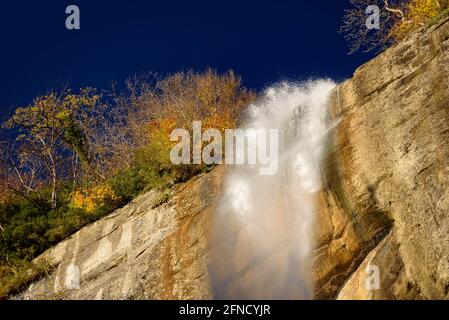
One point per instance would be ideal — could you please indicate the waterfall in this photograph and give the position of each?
(263, 225)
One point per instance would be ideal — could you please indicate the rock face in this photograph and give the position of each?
(380, 276)
(382, 228)
(146, 250)
(389, 169)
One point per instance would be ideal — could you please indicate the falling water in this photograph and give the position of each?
(263, 233)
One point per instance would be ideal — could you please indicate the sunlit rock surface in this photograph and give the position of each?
(146, 250)
(389, 169)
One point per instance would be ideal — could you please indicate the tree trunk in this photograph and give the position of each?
(54, 181)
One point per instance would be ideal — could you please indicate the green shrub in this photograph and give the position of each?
(16, 275)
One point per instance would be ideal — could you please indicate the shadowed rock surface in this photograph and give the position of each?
(384, 202)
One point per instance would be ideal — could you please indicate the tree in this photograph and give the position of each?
(142, 118)
(418, 13)
(19, 174)
(217, 100)
(49, 133)
(396, 18)
(190, 96)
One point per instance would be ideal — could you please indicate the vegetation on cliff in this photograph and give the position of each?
(391, 21)
(75, 157)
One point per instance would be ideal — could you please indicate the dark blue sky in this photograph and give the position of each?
(263, 41)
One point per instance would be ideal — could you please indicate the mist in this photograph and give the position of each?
(263, 225)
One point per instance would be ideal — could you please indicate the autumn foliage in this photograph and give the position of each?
(418, 13)
(90, 199)
(69, 158)
(397, 19)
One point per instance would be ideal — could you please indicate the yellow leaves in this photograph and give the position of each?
(59, 107)
(62, 115)
(86, 99)
(161, 125)
(160, 130)
(92, 198)
(51, 118)
(159, 143)
(398, 19)
(417, 14)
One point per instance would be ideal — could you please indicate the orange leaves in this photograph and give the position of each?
(159, 131)
(161, 126)
(216, 100)
(220, 122)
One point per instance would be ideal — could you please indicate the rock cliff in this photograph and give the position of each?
(389, 173)
(384, 204)
(153, 248)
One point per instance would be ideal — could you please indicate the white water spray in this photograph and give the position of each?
(263, 232)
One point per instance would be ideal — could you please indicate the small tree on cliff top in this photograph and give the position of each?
(397, 18)
(49, 134)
